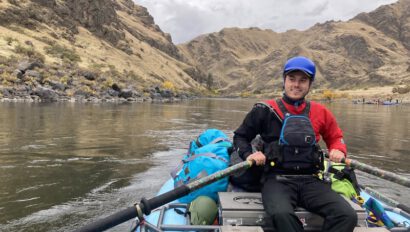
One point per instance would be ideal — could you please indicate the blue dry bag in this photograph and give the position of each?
(207, 154)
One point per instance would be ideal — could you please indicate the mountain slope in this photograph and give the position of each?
(116, 41)
(112, 48)
(367, 51)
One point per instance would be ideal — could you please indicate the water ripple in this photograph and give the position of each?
(32, 147)
(28, 199)
(35, 187)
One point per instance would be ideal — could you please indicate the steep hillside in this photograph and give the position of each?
(393, 20)
(370, 50)
(84, 49)
(87, 48)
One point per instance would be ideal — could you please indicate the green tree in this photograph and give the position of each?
(209, 81)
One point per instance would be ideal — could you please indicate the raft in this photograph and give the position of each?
(390, 103)
(243, 211)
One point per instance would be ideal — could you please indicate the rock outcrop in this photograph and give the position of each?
(109, 41)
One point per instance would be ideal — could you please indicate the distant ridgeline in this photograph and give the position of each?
(113, 51)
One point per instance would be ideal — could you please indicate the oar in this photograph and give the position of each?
(400, 208)
(373, 170)
(145, 206)
(377, 172)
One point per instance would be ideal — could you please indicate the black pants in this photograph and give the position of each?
(281, 196)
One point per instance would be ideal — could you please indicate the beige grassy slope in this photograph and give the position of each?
(349, 55)
(232, 54)
(148, 52)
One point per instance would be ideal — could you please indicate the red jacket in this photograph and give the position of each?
(323, 121)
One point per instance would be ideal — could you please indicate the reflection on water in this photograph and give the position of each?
(65, 164)
(377, 134)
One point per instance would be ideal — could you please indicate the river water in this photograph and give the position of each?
(63, 165)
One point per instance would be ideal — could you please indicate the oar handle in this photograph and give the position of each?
(346, 161)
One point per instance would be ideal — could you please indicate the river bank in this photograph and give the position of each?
(112, 95)
(115, 94)
(366, 95)
(375, 94)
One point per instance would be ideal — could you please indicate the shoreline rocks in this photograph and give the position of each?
(25, 93)
(32, 81)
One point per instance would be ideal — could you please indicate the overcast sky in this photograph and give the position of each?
(187, 19)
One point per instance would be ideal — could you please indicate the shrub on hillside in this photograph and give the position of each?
(328, 94)
(44, 39)
(245, 94)
(87, 90)
(29, 51)
(133, 76)
(168, 85)
(62, 52)
(401, 90)
(108, 83)
(97, 66)
(14, 2)
(9, 61)
(25, 50)
(10, 40)
(87, 83)
(8, 79)
(64, 80)
(344, 95)
(113, 71)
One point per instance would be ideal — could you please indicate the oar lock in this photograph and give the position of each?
(140, 214)
(142, 208)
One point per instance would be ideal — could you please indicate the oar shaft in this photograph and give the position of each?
(111, 221)
(372, 192)
(219, 175)
(147, 205)
(132, 212)
(377, 172)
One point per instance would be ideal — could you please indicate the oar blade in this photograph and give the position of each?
(110, 221)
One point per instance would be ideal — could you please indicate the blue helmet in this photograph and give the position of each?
(300, 63)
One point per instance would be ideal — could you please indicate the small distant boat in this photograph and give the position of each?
(390, 103)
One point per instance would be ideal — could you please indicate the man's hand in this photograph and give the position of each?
(336, 155)
(258, 157)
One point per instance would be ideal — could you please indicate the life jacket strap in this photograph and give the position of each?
(285, 111)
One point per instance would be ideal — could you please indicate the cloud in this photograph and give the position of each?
(187, 19)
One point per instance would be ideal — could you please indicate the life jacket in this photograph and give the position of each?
(207, 154)
(296, 150)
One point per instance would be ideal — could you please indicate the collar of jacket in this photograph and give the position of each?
(296, 103)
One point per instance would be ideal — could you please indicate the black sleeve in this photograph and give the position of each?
(251, 126)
